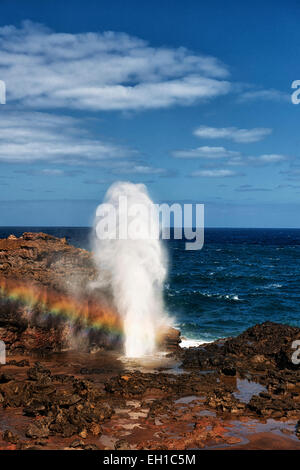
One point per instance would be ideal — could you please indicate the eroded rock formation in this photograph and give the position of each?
(52, 268)
(46, 261)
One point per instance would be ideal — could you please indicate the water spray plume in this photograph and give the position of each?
(133, 267)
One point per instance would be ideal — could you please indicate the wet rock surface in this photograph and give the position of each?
(60, 405)
(238, 392)
(101, 402)
(263, 354)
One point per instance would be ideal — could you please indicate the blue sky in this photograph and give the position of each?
(191, 98)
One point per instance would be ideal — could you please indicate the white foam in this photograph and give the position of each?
(193, 343)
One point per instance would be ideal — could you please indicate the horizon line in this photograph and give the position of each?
(171, 227)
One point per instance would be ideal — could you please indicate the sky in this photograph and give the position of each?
(193, 99)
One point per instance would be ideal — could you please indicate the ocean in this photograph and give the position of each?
(241, 277)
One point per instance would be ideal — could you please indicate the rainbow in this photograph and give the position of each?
(88, 313)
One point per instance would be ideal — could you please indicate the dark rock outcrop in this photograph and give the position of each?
(64, 407)
(261, 347)
(262, 353)
(44, 260)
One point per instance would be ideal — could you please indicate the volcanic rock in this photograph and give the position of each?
(22, 363)
(47, 261)
(9, 436)
(77, 443)
(37, 430)
(263, 352)
(261, 347)
(38, 373)
(169, 338)
(53, 269)
(229, 369)
(74, 407)
(122, 444)
(159, 410)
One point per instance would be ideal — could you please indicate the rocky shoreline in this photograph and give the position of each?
(38, 269)
(218, 395)
(240, 392)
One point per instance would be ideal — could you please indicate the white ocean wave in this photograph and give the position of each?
(272, 286)
(193, 343)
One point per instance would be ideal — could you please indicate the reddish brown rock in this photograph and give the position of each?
(169, 338)
(48, 272)
(46, 261)
(54, 273)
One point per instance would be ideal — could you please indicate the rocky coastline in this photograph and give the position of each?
(240, 392)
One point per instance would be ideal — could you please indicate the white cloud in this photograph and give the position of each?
(52, 172)
(139, 168)
(233, 133)
(218, 173)
(230, 157)
(43, 137)
(264, 95)
(49, 172)
(265, 159)
(132, 168)
(49, 139)
(102, 71)
(148, 170)
(237, 161)
(268, 158)
(250, 188)
(205, 152)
